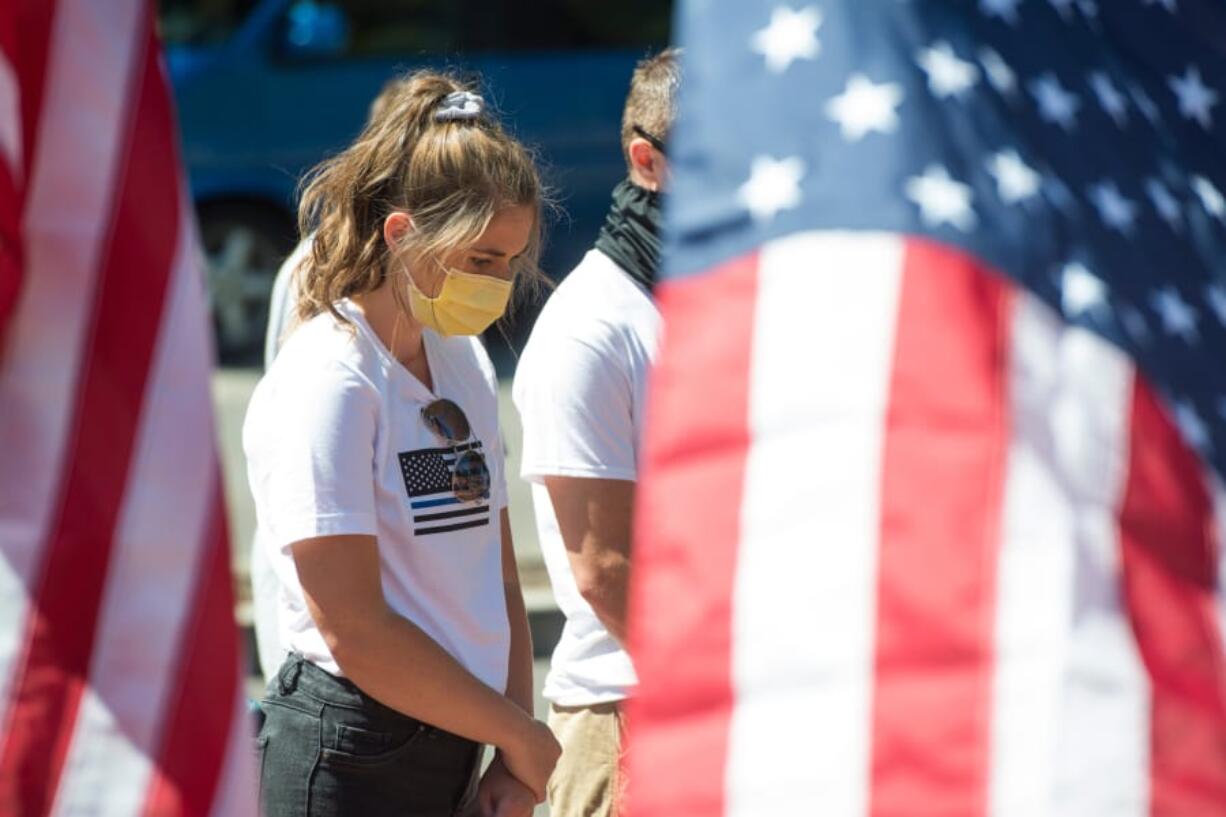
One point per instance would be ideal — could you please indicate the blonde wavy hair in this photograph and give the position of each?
(452, 177)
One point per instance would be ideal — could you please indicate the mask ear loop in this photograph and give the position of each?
(433, 313)
(402, 308)
(424, 296)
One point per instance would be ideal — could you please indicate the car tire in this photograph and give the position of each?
(244, 244)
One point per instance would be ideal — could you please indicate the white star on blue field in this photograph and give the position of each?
(1066, 143)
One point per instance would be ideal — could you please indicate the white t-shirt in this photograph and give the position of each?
(580, 389)
(335, 444)
(264, 586)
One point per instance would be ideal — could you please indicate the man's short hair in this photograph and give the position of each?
(651, 103)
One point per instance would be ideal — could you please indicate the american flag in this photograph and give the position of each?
(931, 515)
(436, 509)
(119, 673)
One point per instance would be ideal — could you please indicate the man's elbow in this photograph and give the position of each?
(601, 584)
(590, 588)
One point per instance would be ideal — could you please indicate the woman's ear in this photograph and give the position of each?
(395, 227)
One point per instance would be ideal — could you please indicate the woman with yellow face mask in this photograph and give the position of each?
(377, 469)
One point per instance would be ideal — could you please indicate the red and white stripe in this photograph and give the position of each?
(1070, 700)
(947, 556)
(824, 682)
(118, 650)
(10, 118)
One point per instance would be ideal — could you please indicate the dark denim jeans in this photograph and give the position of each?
(329, 750)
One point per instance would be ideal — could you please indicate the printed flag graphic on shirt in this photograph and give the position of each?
(119, 672)
(428, 480)
(931, 510)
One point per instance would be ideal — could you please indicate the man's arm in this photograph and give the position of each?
(594, 517)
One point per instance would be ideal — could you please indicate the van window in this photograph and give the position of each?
(201, 22)
(385, 27)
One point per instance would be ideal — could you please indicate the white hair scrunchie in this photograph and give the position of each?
(459, 106)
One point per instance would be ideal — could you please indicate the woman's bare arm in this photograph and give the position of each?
(395, 662)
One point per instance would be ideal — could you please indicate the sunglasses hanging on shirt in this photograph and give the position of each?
(470, 477)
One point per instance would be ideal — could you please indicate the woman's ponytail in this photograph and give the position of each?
(429, 149)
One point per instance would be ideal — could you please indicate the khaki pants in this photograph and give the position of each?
(588, 780)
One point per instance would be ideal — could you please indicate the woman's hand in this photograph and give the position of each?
(500, 794)
(531, 756)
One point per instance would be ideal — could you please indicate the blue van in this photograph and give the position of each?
(267, 88)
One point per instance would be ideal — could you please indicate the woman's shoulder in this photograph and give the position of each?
(317, 373)
(324, 342)
(321, 359)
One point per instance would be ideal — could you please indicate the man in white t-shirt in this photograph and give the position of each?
(580, 390)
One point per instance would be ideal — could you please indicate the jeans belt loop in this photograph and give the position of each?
(287, 679)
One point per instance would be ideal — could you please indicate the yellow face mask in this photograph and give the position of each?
(465, 305)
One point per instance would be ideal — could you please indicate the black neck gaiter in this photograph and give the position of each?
(631, 232)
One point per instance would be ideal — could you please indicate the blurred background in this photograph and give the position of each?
(266, 88)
